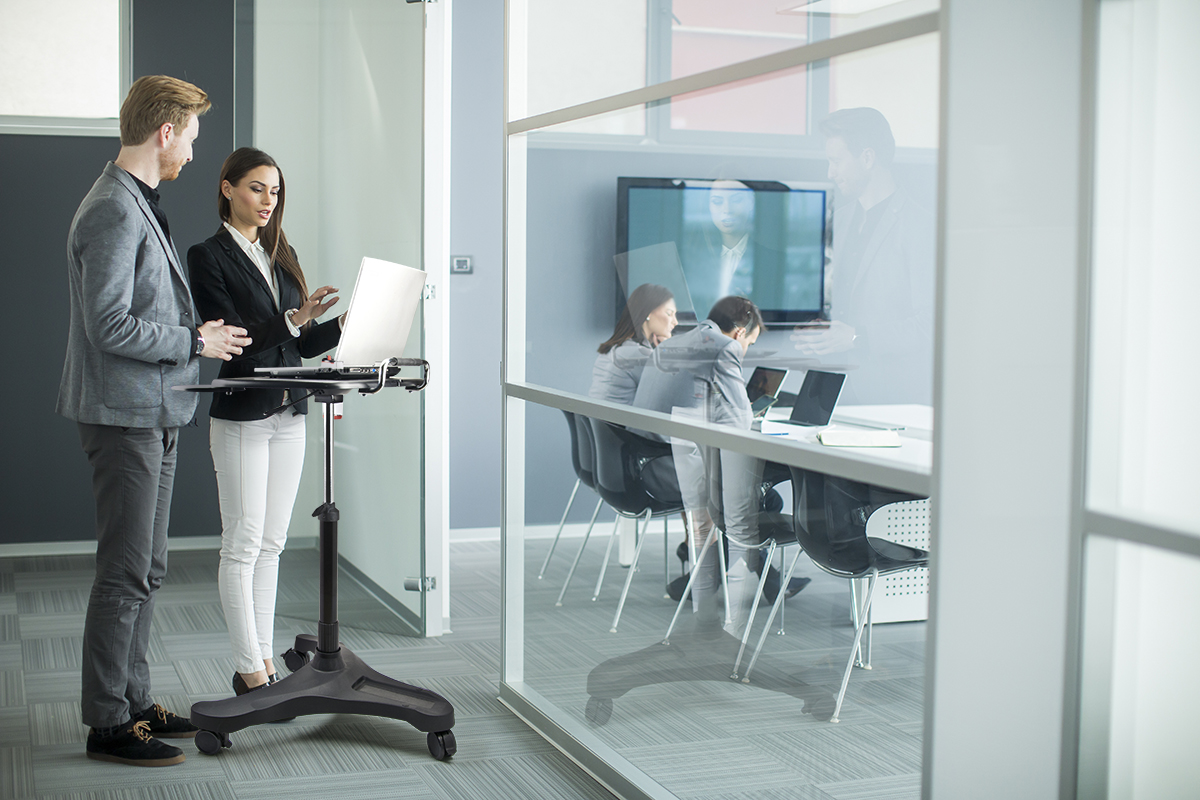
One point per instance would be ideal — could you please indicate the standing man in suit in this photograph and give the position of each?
(132, 337)
(882, 281)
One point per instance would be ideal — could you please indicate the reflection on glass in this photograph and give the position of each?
(882, 280)
(631, 664)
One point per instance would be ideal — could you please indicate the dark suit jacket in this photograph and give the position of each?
(888, 300)
(227, 285)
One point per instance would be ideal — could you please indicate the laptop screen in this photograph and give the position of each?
(381, 312)
(818, 395)
(764, 381)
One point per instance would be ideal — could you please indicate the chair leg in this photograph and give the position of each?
(782, 588)
(776, 608)
(724, 583)
(561, 523)
(712, 535)
(579, 555)
(865, 663)
(641, 540)
(666, 559)
(607, 554)
(862, 616)
(858, 632)
(762, 581)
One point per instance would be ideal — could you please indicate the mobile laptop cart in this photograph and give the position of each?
(326, 678)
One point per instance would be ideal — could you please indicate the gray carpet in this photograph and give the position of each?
(674, 711)
(42, 604)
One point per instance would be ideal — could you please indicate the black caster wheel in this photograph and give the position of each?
(441, 745)
(598, 711)
(294, 659)
(210, 743)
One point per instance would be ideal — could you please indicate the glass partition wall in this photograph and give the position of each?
(1140, 530)
(808, 186)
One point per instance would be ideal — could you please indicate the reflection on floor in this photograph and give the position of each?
(42, 603)
(674, 712)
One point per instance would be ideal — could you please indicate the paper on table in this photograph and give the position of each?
(843, 437)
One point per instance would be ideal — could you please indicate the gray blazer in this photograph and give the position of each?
(132, 322)
(698, 373)
(616, 374)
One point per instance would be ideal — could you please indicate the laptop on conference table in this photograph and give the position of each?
(763, 388)
(378, 321)
(817, 397)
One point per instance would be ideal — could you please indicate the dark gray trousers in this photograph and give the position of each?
(133, 470)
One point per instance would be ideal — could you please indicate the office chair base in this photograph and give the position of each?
(331, 683)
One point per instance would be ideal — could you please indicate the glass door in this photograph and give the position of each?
(338, 103)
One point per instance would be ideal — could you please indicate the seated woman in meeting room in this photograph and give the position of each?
(647, 321)
(248, 275)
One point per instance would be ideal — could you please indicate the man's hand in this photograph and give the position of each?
(222, 341)
(836, 338)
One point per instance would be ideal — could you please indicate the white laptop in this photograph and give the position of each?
(378, 321)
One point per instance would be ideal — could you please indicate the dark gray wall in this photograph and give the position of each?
(45, 488)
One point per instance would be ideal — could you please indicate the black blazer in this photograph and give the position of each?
(227, 285)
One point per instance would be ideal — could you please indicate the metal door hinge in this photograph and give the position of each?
(420, 584)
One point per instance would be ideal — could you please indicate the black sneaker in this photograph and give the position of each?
(132, 744)
(165, 725)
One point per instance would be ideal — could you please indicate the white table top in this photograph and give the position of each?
(914, 455)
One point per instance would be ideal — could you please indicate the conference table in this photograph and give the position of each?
(902, 597)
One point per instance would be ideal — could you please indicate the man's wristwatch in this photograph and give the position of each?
(199, 343)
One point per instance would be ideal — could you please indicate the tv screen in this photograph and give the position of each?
(770, 241)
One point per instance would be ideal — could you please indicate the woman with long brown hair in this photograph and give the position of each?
(248, 275)
(646, 321)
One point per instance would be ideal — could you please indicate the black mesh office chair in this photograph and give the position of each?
(623, 481)
(581, 462)
(830, 520)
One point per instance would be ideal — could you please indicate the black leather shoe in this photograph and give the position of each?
(793, 588)
(132, 743)
(240, 687)
(165, 725)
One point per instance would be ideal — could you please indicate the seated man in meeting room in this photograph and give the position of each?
(698, 375)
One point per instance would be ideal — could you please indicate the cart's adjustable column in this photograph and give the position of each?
(327, 517)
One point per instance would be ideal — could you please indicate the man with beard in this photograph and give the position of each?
(133, 336)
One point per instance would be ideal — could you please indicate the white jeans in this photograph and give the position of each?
(258, 468)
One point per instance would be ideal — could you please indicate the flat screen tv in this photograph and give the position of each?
(770, 241)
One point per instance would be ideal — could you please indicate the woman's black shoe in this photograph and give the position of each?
(240, 687)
